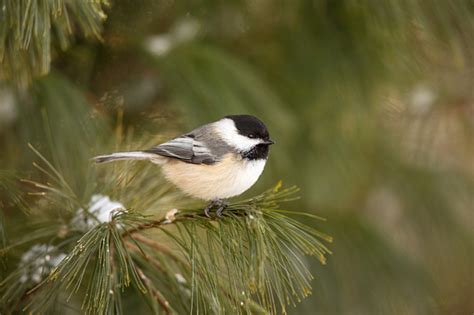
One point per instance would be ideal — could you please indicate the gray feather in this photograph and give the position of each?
(134, 155)
(200, 146)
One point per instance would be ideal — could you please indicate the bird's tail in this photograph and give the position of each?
(132, 155)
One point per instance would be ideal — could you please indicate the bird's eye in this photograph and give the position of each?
(251, 135)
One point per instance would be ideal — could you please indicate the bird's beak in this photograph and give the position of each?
(268, 142)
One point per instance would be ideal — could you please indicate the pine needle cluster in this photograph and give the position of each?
(30, 30)
(252, 260)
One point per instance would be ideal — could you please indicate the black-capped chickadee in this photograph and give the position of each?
(216, 161)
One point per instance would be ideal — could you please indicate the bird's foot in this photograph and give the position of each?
(219, 203)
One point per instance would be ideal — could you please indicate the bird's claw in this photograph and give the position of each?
(219, 203)
(206, 210)
(219, 211)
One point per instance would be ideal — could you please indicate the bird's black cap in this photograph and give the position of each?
(250, 126)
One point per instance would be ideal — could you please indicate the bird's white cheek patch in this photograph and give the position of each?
(229, 133)
(243, 143)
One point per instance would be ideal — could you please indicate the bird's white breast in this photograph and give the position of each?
(227, 178)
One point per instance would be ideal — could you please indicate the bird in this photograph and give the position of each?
(213, 162)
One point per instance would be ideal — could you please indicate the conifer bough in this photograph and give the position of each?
(30, 28)
(251, 260)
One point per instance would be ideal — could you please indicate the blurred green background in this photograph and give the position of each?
(371, 104)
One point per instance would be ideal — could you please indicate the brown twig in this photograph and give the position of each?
(156, 294)
(145, 226)
(165, 221)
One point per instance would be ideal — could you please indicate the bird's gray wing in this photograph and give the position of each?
(186, 148)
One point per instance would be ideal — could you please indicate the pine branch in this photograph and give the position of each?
(249, 260)
(29, 29)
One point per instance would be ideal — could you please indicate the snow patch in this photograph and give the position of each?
(101, 209)
(38, 262)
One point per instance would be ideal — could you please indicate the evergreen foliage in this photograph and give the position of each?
(250, 260)
(31, 29)
(371, 106)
